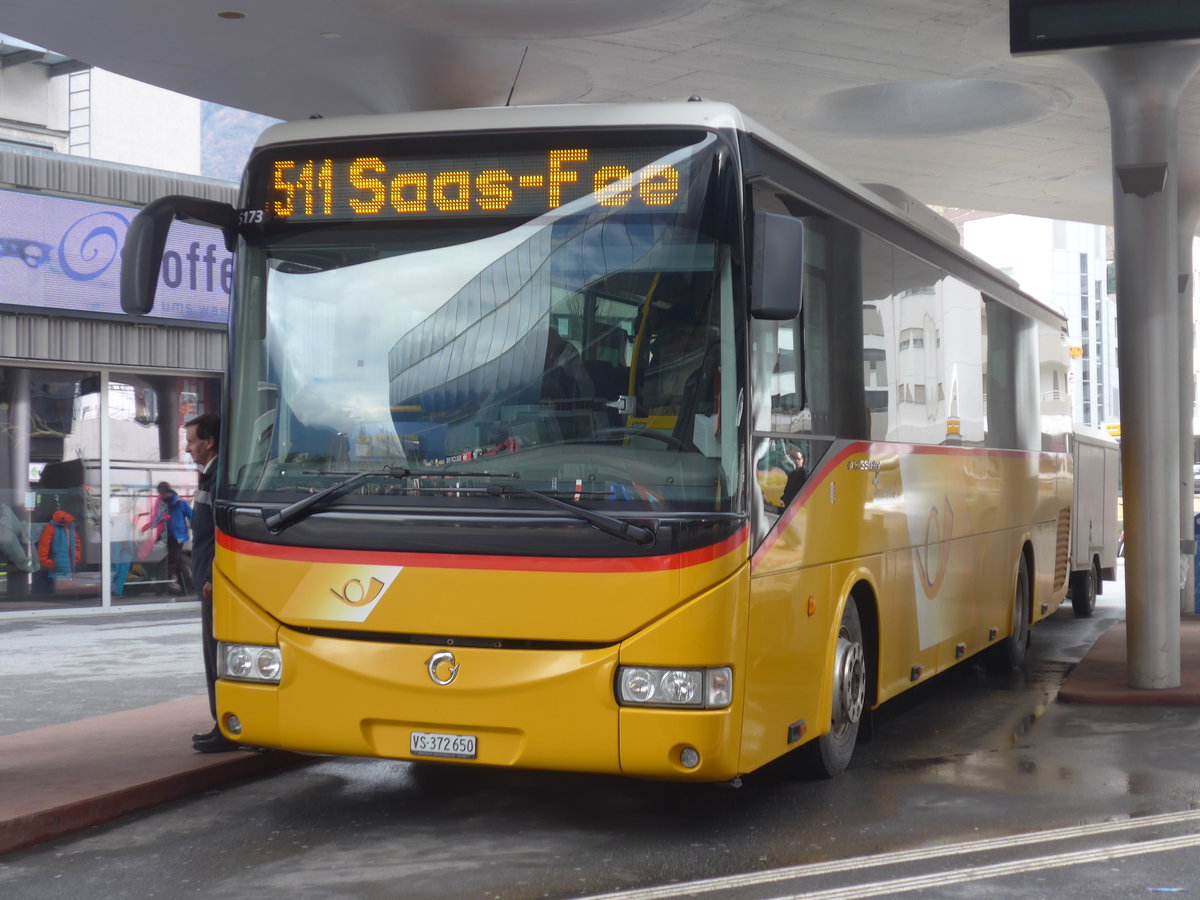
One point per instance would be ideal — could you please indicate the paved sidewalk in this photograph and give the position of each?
(63, 778)
(1101, 676)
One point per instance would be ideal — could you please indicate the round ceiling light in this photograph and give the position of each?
(532, 18)
(917, 109)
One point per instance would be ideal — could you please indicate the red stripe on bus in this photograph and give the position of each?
(816, 479)
(498, 563)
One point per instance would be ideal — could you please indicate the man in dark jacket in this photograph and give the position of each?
(203, 435)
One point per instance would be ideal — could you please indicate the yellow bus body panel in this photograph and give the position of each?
(709, 631)
(537, 708)
(926, 540)
(930, 539)
(596, 601)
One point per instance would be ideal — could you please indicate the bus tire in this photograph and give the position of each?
(1084, 586)
(829, 754)
(1010, 653)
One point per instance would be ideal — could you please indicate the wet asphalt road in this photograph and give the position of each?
(964, 773)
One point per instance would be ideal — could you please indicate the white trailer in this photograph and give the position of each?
(1094, 529)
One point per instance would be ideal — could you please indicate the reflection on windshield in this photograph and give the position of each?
(579, 352)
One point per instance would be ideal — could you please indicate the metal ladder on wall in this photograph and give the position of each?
(79, 113)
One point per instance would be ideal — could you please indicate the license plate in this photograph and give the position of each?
(428, 743)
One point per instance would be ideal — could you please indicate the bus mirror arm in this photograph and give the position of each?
(777, 270)
(142, 253)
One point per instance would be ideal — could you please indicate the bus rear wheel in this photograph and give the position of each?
(1010, 653)
(829, 755)
(1084, 587)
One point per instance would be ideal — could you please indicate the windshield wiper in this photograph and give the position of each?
(281, 519)
(618, 528)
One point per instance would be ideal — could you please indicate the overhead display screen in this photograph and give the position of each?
(1043, 25)
(316, 187)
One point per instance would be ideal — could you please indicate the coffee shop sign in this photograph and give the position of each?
(65, 255)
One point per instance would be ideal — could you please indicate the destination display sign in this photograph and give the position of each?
(315, 187)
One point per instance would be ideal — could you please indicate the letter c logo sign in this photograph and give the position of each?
(442, 668)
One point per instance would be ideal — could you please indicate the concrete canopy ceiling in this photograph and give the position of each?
(921, 94)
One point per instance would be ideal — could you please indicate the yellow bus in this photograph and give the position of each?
(614, 438)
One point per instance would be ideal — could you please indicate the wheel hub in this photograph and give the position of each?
(849, 683)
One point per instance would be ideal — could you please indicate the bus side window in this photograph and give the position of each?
(783, 470)
(778, 377)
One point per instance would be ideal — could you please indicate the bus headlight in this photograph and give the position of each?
(249, 662)
(710, 688)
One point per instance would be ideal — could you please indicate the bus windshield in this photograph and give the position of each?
(576, 350)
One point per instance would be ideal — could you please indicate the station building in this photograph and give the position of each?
(92, 402)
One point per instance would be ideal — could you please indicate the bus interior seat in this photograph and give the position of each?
(609, 382)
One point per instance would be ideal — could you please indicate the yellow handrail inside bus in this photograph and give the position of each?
(638, 342)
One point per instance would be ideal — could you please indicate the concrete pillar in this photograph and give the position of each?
(1189, 218)
(19, 430)
(105, 494)
(166, 396)
(19, 422)
(1142, 85)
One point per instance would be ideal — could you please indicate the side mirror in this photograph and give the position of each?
(141, 256)
(777, 269)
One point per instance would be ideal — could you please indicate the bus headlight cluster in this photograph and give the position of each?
(249, 662)
(710, 688)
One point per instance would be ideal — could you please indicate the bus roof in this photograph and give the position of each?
(703, 114)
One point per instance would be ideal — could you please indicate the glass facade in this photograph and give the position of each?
(83, 456)
(92, 402)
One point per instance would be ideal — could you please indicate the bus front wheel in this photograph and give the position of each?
(829, 755)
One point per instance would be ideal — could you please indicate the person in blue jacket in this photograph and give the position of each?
(175, 513)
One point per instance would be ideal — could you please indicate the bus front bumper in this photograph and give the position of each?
(541, 709)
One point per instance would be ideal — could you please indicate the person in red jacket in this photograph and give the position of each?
(59, 549)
